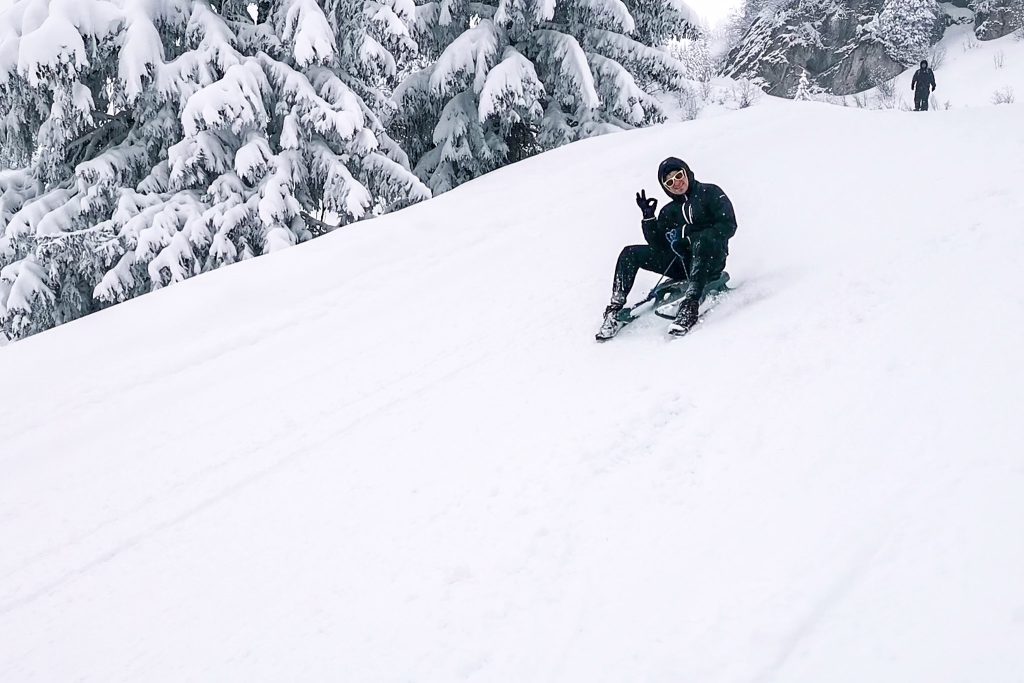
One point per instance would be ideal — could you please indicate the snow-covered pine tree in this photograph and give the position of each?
(528, 75)
(436, 23)
(659, 21)
(696, 55)
(56, 65)
(170, 137)
(905, 28)
(440, 118)
(803, 88)
(743, 16)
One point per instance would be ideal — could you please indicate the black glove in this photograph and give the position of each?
(648, 206)
(676, 240)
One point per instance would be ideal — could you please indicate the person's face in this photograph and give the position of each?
(677, 182)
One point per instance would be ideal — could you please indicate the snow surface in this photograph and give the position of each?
(396, 453)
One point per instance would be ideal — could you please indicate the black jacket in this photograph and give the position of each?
(704, 212)
(924, 79)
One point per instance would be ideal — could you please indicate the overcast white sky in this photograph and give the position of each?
(713, 10)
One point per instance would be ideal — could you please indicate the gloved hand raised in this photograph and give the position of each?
(648, 206)
(676, 240)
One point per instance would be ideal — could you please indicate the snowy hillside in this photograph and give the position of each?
(397, 454)
(971, 73)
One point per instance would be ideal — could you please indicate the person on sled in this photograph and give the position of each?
(688, 241)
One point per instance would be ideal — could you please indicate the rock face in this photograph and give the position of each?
(825, 37)
(831, 39)
(997, 18)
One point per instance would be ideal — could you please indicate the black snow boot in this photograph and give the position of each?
(686, 318)
(611, 325)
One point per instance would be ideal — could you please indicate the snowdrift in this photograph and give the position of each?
(396, 453)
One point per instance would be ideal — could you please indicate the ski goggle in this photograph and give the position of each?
(671, 180)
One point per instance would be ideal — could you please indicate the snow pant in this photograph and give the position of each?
(921, 100)
(701, 262)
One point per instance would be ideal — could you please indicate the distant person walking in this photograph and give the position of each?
(923, 86)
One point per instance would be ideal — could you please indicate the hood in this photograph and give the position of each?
(671, 165)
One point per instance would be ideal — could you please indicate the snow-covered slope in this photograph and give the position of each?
(396, 453)
(971, 73)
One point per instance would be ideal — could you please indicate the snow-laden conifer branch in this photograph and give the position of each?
(652, 66)
(169, 137)
(565, 63)
(583, 69)
(512, 84)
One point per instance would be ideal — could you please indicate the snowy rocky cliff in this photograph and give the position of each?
(825, 37)
(849, 46)
(997, 18)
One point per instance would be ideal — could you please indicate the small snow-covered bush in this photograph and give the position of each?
(690, 103)
(886, 89)
(999, 59)
(1003, 96)
(745, 94)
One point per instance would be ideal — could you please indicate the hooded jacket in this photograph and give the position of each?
(704, 212)
(924, 78)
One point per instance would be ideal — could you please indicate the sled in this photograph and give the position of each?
(663, 297)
